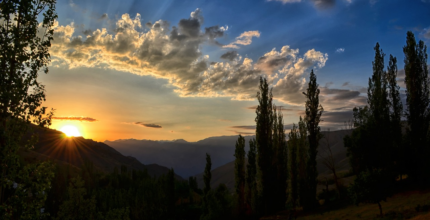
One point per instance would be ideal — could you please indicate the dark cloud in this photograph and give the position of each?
(242, 133)
(104, 16)
(345, 84)
(324, 4)
(337, 117)
(72, 118)
(426, 33)
(340, 94)
(214, 32)
(230, 55)
(87, 32)
(248, 127)
(148, 125)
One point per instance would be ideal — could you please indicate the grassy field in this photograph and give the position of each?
(407, 205)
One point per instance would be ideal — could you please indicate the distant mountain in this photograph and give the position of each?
(225, 173)
(187, 158)
(55, 145)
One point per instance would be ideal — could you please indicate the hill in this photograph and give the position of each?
(55, 145)
(334, 139)
(187, 158)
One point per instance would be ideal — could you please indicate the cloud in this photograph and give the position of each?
(324, 4)
(274, 60)
(244, 39)
(426, 32)
(230, 55)
(174, 53)
(340, 50)
(72, 118)
(104, 16)
(337, 117)
(285, 1)
(345, 84)
(148, 125)
(246, 127)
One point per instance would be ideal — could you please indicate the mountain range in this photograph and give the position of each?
(55, 145)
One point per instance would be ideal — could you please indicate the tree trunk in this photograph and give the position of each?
(380, 209)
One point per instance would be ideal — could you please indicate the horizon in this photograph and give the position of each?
(189, 70)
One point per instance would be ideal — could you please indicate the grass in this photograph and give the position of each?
(406, 205)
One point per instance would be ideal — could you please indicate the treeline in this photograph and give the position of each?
(123, 194)
(383, 147)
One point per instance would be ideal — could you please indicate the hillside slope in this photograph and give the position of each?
(56, 146)
(225, 173)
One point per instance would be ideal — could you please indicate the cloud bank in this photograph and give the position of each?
(72, 118)
(175, 53)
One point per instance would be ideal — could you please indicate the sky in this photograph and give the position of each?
(190, 69)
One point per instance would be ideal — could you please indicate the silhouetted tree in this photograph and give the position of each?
(207, 186)
(239, 171)
(313, 117)
(293, 188)
(396, 110)
(370, 187)
(24, 44)
(77, 206)
(264, 146)
(417, 111)
(279, 159)
(251, 174)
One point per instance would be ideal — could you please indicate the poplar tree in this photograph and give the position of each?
(293, 192)
(313, 117)
(207, 176)
(280, 158)
(417, 104)
(251, 174)
(264, 122)
(239, 171)
(396, 110)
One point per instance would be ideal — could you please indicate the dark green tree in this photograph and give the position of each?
(280, 159)
(293, 184)
(239, 171)
(396, 111)
(24, 52)
(251, 174)
(313, 117)
(302, 159)
(370, 187)
(264, 121)
(77, 206)
(207, 176)
(417, 107)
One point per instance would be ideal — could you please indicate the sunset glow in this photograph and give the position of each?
(70, 131)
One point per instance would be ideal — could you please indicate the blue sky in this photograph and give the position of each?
(119, 63)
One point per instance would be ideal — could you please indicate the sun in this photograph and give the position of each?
(70, 131)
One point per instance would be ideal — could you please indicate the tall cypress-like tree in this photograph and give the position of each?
(264, 145)
(302, 162)
(280, 159)
(207, 176)
(239, 171)
(313, 117)
(293, 188)
(251, 174)
(417, 102)
(396, 110)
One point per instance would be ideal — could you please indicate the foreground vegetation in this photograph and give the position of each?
(280, 176)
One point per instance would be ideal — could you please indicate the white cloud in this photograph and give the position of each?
(285, 1)
(426, 33)
(244, 39)
(340, 50)
(174, 53)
